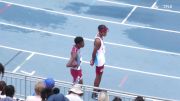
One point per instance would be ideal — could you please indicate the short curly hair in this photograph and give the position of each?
(78, 39)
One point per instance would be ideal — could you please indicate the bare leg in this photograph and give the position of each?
(97, 82)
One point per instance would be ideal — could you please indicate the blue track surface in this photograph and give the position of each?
(142, 54)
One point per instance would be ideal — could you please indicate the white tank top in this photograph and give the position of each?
(100, 55)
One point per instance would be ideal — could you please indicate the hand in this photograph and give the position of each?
(91, 62)
(75, 64)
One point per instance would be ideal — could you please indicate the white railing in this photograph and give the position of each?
(24, 86)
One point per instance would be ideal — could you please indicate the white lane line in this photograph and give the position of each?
(131, 5)
(90, 18)
(129, 15)
(158, 29)
(108, 66)
(18, 67)
(109, 43)
(143, 72)
(154, 6)
(29, 57)
(37, 30)
(27, 73)
(35, 53)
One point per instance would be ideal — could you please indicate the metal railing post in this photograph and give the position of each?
(84, 93)
(25, 85)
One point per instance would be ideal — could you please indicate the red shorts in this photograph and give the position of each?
(77, 75)
(99, 70)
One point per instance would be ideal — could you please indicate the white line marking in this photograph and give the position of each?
(30, 74)
(109, 43)
(30, 56)
(109, 66)
(154, 5)
(129, 14)
(143, 72)
(125, 4)
(95, 19)
(18, 67)
(37, 30)
(158, 29)
(32, 52)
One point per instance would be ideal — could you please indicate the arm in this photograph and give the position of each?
(97, 45)
(71, 62)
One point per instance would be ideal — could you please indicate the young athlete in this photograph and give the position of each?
(75, 61)
(98, 56)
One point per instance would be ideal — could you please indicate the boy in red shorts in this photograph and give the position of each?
(75, 61)
(98, 56)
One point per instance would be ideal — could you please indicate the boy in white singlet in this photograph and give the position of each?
(98, 56)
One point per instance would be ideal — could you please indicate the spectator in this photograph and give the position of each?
(75, 93)
(45, 93)
(103, 96)
(2, 89)
(139, 98)
(56, 90)
(57, 97)
(48, 90)
(49, 83)
(38, 88)
(9, 91)
(51, 93)
(117, 99)
(1, 70)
